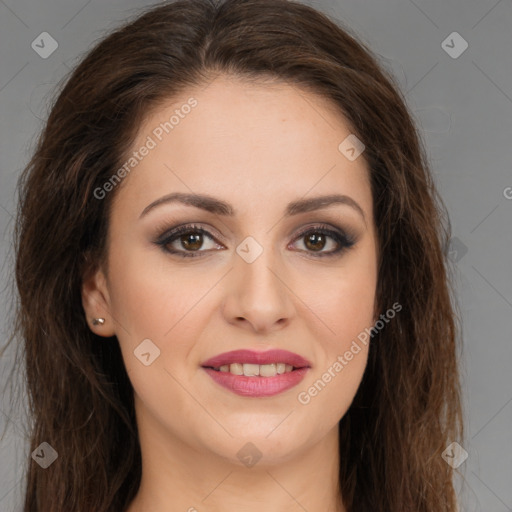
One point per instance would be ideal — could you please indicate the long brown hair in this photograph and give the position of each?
(408, 407)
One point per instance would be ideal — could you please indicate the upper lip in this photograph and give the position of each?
(257, 357)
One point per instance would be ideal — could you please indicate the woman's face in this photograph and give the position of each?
(272, 270)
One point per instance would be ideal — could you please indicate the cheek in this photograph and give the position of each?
(151, 299)
(346, 315)
(343, 307)
(343, 303)
(330, 393)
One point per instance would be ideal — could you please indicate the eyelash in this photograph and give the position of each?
(343, 240)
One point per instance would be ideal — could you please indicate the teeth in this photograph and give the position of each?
(268, 370)
(254, 370)
(251, 370)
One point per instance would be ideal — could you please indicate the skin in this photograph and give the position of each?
(257, 147)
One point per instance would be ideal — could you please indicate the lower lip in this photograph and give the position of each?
(257, 386)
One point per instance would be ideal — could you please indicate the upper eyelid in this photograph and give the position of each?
(168, 233)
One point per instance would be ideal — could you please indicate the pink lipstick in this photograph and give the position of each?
(257, 374)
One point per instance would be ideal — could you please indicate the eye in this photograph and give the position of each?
(316, 238)
(188, 241)
(190, 237)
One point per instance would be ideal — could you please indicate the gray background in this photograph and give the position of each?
(464, 108)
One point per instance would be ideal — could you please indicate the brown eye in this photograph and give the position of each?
(187, 241)
(315, 241)
(192, 241)
(317, 238)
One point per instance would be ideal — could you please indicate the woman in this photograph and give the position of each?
(233, 291)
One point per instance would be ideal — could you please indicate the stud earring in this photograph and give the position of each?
(98, 321)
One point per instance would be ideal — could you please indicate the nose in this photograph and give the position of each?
(258, 297)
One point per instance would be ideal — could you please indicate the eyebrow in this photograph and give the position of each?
(219, 207)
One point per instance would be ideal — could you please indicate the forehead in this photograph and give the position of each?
(256, 141)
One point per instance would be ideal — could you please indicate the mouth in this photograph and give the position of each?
(253, 373)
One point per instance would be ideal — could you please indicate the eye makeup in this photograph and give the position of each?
(174, 240)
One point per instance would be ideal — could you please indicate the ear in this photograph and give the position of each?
(96, 303)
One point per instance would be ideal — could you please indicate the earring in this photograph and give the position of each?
(96, 321)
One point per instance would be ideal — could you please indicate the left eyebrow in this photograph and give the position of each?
(219, 207)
